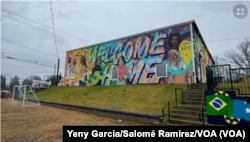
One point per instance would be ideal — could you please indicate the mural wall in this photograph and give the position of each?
(134, 58)
(197, 55)
(201, 56)
(225, 108)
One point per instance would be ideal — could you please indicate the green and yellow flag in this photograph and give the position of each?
(217, 105)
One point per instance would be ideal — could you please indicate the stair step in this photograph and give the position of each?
(195, 90)
(187, 117)
(185, 122)
(193, 102)
(213, 125)
(189, 107)
(198, 87)
(187, 112)
(171, 124)
(192, 95)
(193, 99)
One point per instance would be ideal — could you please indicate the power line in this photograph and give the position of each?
(33, 45)
(60, 31)
(53, 27)
(26, 61)
(25, 54)
(78, 37)
(225, 39)
(46, 61)
(42, 29)
(27, 47)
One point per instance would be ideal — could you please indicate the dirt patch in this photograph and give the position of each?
(42, 123)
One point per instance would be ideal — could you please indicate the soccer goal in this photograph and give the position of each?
(21, 95)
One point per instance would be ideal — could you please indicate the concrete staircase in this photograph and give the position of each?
(187, 114)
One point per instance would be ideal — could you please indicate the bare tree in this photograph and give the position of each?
(219, 59)
(221, 71)
(35, 77)
(240, 58)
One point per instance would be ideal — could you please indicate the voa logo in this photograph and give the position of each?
(231, 133)
(206, 133)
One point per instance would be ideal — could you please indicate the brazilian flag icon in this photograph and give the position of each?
(217, 105)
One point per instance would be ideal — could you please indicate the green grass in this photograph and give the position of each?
(145, 99)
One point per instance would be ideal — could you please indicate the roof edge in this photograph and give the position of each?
(196, 26)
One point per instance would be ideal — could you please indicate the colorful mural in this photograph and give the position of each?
(225, 108)
(201, 50)
(134, 58)
(196, 57)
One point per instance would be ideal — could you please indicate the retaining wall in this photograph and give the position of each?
(135, 117)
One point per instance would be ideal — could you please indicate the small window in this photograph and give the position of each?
(114, 74)
(161, 70)
(84, 77)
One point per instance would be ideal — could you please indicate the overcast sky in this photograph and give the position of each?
(96, 22)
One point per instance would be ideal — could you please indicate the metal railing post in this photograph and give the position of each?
(201, 113)
(182, 95)
(231, 78)
(175, 97)
(202, 116)
(168, 113)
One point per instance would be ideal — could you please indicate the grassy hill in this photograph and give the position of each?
(145, 99)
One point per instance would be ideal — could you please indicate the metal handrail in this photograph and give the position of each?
(173, 92)
(201, 108)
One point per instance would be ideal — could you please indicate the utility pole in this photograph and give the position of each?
(57, 71)
(54, 75)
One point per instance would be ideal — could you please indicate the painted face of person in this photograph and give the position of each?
(174, 41)
(99, 62)
(121, 63)
(172, 57)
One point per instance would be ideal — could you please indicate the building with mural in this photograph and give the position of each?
(161, 56)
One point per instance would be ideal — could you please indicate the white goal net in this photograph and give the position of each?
(22, 94)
